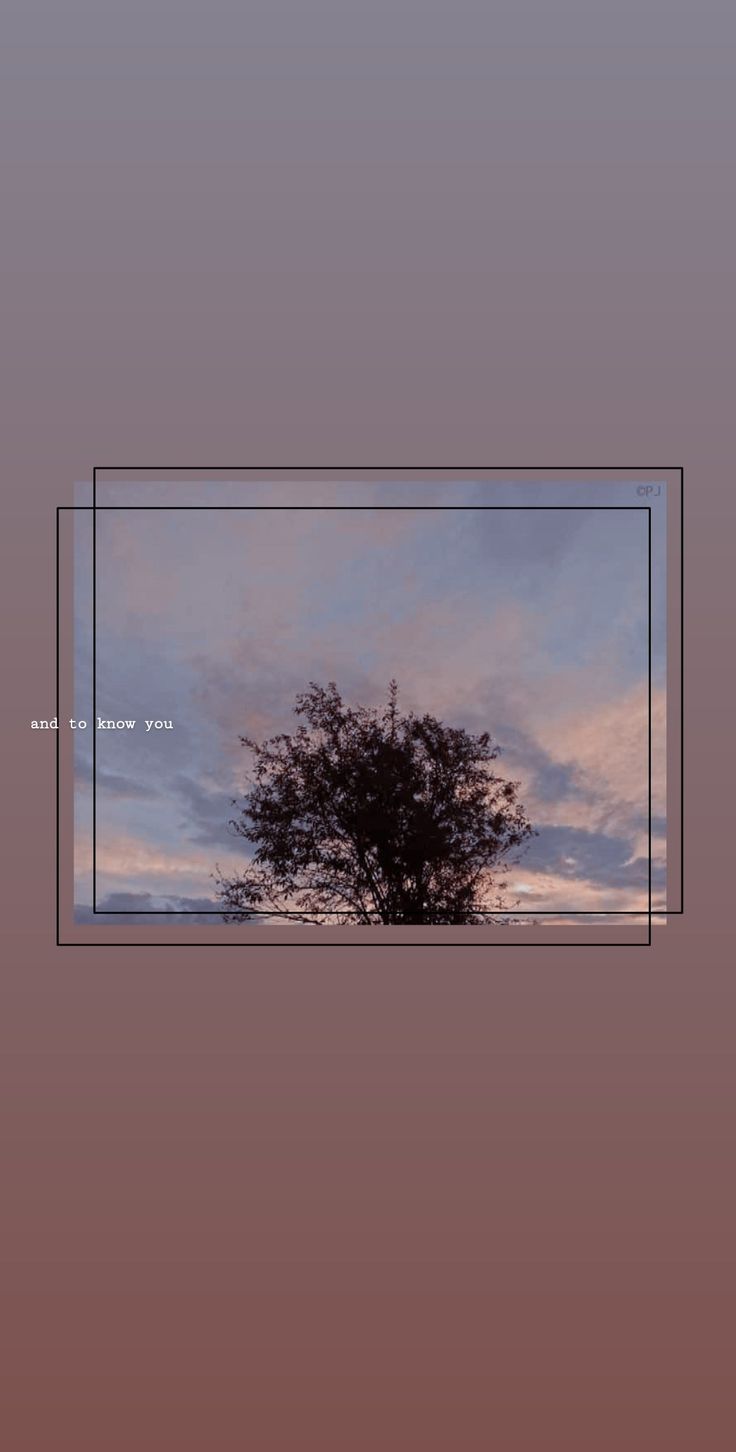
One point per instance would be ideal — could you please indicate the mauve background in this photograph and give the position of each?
(409, 1201)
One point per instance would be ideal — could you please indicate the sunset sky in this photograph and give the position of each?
(528, 623)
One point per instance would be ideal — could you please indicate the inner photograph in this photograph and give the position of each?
(365, 709)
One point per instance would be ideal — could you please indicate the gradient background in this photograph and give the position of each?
(372, 1200)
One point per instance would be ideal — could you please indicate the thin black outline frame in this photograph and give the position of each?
(441, 469)
(493, 469)
(194, 912)
(398, 469)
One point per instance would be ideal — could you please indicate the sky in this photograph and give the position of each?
(529, 623)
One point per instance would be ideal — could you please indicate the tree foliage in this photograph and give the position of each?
(367, 815)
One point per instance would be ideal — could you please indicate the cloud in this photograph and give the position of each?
(123, 902)
(145, 907)
(608, 746)
(596, 859)
(112, 783)
(207, 813)
(129, 863)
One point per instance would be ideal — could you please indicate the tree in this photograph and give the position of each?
(365, 815)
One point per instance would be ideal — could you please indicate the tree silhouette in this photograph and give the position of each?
(365, 815)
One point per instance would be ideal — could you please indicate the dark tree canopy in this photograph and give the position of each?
(367, 815)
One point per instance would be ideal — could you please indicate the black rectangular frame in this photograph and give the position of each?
(417, 508)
